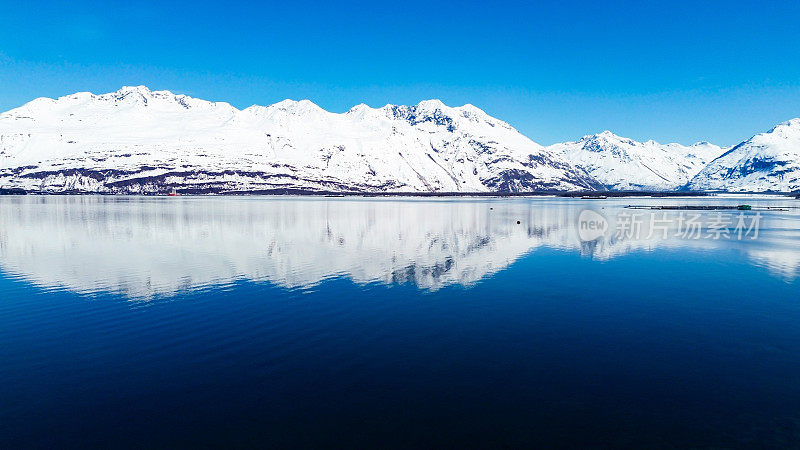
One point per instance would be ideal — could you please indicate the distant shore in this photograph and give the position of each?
(299, 192)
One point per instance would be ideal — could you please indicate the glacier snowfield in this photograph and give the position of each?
(138, 141)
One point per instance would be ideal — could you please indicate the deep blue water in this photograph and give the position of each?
(393, 323)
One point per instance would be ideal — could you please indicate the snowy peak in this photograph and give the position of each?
(621, 163)
(296, 106)
(604, 135)
(435, 113)
(786, 130)
(135, 90)
(471, 109)
(791, 123)
(431, 112)
(127, 98)
(604, 141)
(768, 161)
(144, 97)
(779, 134)
(360, 108)
(131, 95)
(430, 106)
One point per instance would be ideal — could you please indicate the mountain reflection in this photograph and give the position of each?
(142, 247)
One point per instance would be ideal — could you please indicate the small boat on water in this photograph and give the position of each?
(174, 193)
(594, 197)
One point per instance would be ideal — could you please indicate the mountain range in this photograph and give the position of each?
(138, 141)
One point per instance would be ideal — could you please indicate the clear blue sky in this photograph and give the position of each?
(671, 71)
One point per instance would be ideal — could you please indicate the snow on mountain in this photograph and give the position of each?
(139, 141)
(624, 164)
(766, 162)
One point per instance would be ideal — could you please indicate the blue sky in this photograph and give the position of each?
(671, 71)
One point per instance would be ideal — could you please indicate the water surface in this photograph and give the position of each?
(135, 321)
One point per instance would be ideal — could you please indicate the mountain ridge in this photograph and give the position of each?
(137, 140)
(622, 163)
(766, 162)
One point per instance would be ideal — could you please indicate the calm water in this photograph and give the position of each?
(303, 322)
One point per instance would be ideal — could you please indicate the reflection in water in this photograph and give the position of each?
(142, 247)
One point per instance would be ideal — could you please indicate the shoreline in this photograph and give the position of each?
(333, 194)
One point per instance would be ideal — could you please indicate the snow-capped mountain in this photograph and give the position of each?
(624, 164)
(139, 141)
(766, 162)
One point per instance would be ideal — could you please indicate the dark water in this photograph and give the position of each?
(286, 322)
